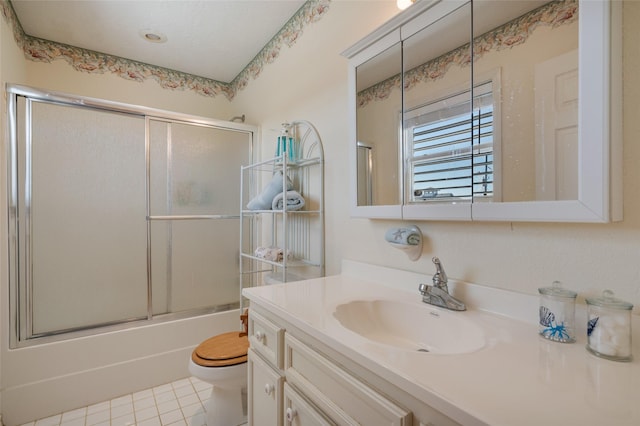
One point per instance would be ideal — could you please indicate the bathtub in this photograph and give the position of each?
(47, 379)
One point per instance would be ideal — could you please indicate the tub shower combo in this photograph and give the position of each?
(118, 214)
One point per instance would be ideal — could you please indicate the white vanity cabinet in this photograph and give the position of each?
(264, 392)
(298, 412)
(296, 380)
(341, 396)
(265, 378)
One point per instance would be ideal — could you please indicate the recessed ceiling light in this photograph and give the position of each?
(152, 36)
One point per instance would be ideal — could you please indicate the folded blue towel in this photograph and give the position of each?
(294, 201)
(263, 200)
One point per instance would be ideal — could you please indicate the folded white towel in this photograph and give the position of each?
(274, 254)
(263, 200)
(294, 201)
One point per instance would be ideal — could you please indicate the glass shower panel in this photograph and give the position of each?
(197, 268)
(194, 206)
(159, 140)
(195, 169)
(87, 215)
(206, 164)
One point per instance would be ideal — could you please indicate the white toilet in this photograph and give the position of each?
(222, 361)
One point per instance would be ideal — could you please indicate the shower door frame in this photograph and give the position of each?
(20, 304)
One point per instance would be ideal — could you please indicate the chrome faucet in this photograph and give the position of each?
(438, 293)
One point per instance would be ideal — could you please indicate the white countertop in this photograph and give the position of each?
(517, 379)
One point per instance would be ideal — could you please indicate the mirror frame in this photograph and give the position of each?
(600, 125)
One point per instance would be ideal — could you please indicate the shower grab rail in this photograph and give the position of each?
(195, 216)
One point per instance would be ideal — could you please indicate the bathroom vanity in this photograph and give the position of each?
(345, 350)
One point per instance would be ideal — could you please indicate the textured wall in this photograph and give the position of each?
(515, 256)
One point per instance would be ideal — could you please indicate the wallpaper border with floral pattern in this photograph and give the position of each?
(40, 50)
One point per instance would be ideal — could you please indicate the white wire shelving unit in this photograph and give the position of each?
(300, 234)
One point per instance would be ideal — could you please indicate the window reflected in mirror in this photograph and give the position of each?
(513, 137)
(439, 116)
(450, 152)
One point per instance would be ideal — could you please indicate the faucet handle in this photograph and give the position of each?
(437, 282)
(440, 277)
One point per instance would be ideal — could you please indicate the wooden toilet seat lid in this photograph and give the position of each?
(223, 349)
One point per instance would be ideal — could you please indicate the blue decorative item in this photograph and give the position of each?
(552, 331)
(292, 150)
(282, 147)
(591, 325)
(546, 316)
(557, 313)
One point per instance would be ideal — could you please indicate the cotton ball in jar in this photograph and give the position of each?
(609, 327)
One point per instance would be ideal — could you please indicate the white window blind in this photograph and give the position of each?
(451, 147)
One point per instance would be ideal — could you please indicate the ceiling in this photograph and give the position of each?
(215, 39)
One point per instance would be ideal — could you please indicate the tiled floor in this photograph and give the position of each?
(178, 404)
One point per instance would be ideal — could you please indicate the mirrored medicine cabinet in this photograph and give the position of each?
(489, 110)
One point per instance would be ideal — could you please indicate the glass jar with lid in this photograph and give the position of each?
(557, 313)
(609, 327)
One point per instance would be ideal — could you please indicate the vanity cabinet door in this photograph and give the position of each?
(343, 398)
(264, 393)
(298, 412)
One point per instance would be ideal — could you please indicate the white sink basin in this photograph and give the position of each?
(411, 327)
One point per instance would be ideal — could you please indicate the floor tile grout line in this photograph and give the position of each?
(107, 406)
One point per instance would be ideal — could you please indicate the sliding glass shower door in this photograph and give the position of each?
(117, 215)
(195, 201)
(84, 217)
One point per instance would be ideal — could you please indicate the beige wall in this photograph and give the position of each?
(59, 76)
(12, 67)
(515, 256)
(309, 81)
(379, 122)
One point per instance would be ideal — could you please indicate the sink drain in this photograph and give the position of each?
(423, 350)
